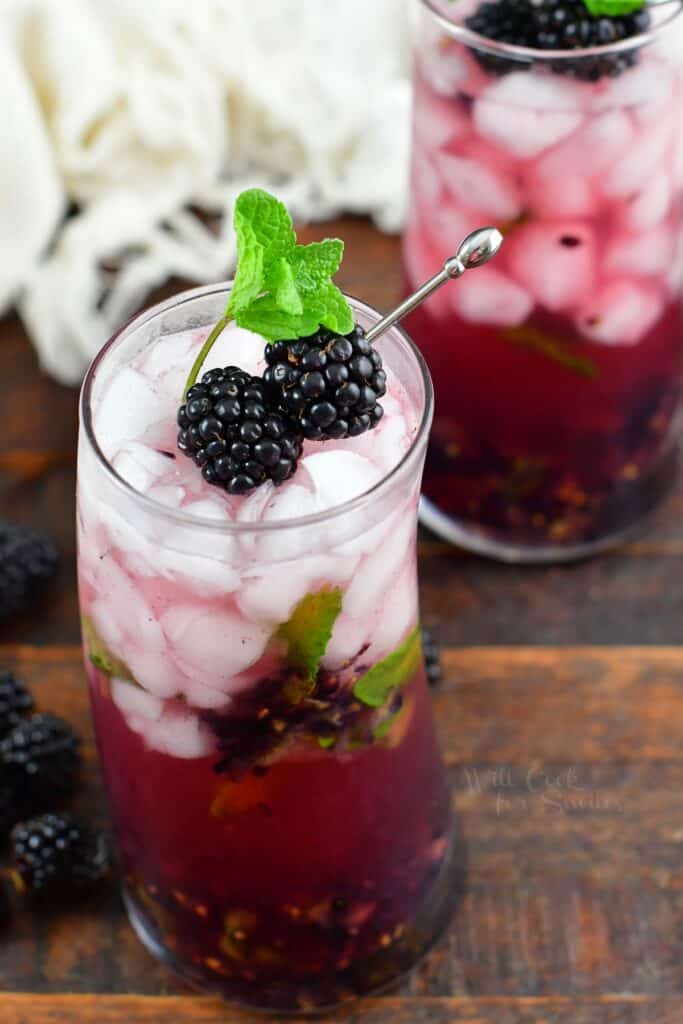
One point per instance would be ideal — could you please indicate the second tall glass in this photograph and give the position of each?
(558, 368)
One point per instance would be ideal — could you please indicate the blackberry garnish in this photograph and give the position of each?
(235, 434)
(15, 702)
(39, 760)
(432, 656)
(557, 25)
(56, 851)
(27, 559)
(330, 383)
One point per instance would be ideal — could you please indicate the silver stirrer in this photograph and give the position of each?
(475, 250)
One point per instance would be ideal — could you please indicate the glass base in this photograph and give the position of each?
(637, 513)
(303, 997)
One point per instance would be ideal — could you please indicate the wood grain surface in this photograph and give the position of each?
(561, 718)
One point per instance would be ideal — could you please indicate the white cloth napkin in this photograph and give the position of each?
(131, 111)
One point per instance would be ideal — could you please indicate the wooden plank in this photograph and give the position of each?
(617, 1009)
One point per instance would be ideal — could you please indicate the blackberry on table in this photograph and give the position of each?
(27, 560)
(330, 383)
(432, 656)
(557, 25)
(57, 851)
(234, 433)
(15, 702)
(39, 760)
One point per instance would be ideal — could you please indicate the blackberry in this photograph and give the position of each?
(27, 560)
(15, 702)
(329, 382)
(56, 851)
(432, 656)
(235, 435)
(39, 760)
(557, 25)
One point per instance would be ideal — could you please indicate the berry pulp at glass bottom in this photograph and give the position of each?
(549, 447)
(302, 883)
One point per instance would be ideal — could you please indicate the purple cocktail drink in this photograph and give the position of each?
(558, 371)
(257, 678)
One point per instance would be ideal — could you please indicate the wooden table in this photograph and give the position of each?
(561, 716)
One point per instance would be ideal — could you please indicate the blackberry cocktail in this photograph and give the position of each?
(250, 618)
(558, 370)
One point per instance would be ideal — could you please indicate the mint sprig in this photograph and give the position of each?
(281, 290)
(374, 687)
(308, 630)
(612, 8)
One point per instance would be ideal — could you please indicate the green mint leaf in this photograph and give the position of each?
(556, 349)
(280, 281)
(264, 236)
(374, 687)
(314, 264)
(612, 8)
(325, 742)
(309, 629)
(332, 309)
(100, 655)
(264, 317)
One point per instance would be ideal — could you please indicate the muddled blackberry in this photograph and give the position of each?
(557, 25)
(39, 760)
(432, 656)
(330, 383)
(15, 702)
(234, 433)
(56, 851)
(27, 560)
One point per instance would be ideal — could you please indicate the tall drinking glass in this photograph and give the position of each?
(558, 368)
(278, 794)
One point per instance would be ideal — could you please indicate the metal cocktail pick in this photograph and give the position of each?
(475, 250)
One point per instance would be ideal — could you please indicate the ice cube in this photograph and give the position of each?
(487, 296)
(444, 68)
(621, 313)
(169, 495)
(526, 113)
(646, 85)
(554, 261)
(141, 466)
(165, 727)
(167, 362)
(339, 476)
(426, 186)
(128, 406)
(446, 227)
(349, 637)
(651, 204)
(237, 347)
(438, 122)
(422, 261)
(479, 185)
(211, 644)
(555, 197)
(651, 252)
(397, 617)
(271, 595)
(376, 574)
(643, 160)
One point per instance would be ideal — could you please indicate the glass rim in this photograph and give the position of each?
(530, 54)
(177, 516)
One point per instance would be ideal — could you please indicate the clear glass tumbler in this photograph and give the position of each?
(285, 833)
(558, 367)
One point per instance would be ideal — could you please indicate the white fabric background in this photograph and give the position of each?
(132, 109)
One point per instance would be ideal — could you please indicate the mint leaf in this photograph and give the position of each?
(612, 8)
(332, 309)
(374, 687)
(100, 655)
(264, 236)
(309, 629)
(313, 264)
(552, 348)
(264, 317)
(325, 742)
(280, 280)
